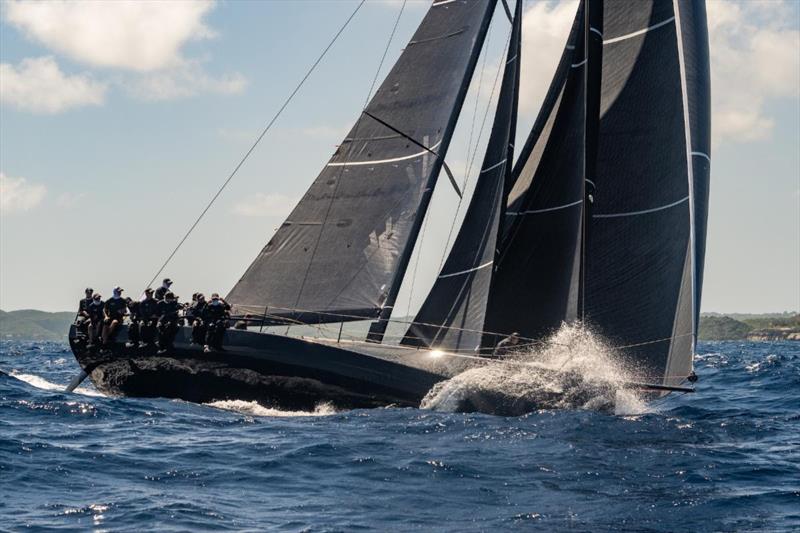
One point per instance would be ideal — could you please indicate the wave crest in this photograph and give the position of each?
(574, 369)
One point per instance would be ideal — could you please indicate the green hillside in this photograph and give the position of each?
(30, 324)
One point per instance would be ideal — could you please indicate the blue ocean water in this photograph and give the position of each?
(724, 459)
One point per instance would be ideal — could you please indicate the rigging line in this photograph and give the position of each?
(500, 64)
(413, 140)
(416, 264)
(475, 110)
(347, 156)
(258, 139)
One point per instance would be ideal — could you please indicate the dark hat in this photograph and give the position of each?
(167, 281)
(89, 289)
(118, 289)
(97, 296)
(148, 290)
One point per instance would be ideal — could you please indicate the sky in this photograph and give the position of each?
(119, 121)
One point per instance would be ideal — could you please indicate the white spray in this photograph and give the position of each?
(574, 369)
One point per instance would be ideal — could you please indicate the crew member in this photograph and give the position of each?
(83, 320)
(168, 309)
(163, 289)
(196, 311)
(507, 345)
(113, 315)
(216, 321)
(95, 318)
(133, 328)
(242, 323)
(148, 316)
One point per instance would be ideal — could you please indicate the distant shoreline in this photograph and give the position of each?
(32, 324)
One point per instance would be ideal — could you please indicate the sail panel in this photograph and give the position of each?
(452, 316)
(343, 245)
(536, 283)
(640, 280)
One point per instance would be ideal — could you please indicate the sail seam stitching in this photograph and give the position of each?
(545, 209)
(381, 161)
(466, 271)
(639, 32)
(645, 211)
(494, 166)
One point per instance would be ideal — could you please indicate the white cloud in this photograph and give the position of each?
(265, 205)
(545, 28)
(38, 85)
(187, 79)
(70, 199)
(754, 58)
(127, 34)
(17, 195)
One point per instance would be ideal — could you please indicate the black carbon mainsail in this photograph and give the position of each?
(607, 220)
(344, 248)
(452, 316)
(647, 222)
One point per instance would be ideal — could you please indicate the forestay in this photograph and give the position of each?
(452, 316)
(345, 246)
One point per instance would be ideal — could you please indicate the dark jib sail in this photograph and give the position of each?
(647, 225)
(536, 283)
(344, 248)
(452, 315)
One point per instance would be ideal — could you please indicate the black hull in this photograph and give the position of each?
(274, 370)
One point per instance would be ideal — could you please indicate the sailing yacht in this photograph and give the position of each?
(598, 219)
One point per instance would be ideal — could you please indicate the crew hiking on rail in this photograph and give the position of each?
(153, 321)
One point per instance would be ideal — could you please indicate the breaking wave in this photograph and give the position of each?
(256, 409)
(574, 369)
(41, 383)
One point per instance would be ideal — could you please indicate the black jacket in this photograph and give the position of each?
(96, 310)
(215, 311)
(133, 309)
(160, 292)
(168, 311)
(115, 308)
(148, 309)
(83, 306)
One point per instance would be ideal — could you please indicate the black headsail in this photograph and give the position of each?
(452, 315)
(344, 248)
(536, 283)
(646, 227)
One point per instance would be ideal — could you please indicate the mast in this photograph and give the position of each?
(452, 316)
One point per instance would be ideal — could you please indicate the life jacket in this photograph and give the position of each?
(84, 304)
(215, 311)
(95, 309)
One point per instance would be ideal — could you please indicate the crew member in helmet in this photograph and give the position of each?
(215, 317)
(83, 320)
(163, 289)
(96, 316)
(148, 316)
(113, 315)
(168, 310)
